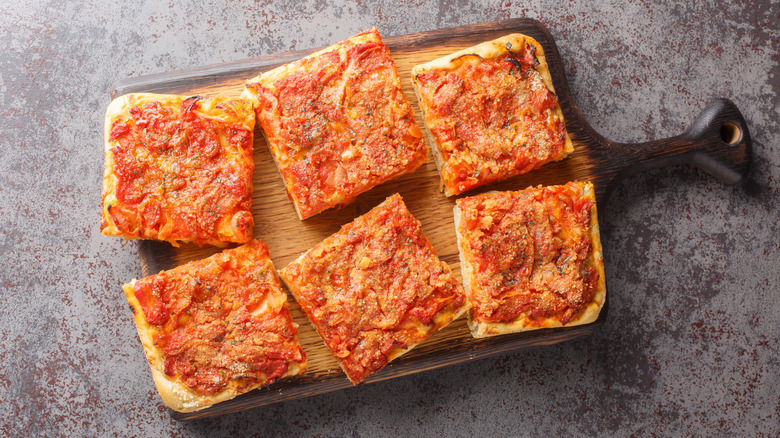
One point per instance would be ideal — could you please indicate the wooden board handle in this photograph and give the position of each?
(718, 142)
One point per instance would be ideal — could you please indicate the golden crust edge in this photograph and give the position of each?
(433, 145)
(597, 260)
(486, 50)
(465, 268)
(586, 316)
(173, 393)
(120, 107)
(370, 34)
(397, 352)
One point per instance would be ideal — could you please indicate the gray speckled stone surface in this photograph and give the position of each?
(691, 343)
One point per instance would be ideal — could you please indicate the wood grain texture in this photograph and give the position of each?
(718, 141)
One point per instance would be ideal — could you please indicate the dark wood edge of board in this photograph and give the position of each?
(301, 387)
(411, 362)
(615, 158)
(248, 68)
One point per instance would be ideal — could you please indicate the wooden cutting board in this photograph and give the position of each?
(717, 141)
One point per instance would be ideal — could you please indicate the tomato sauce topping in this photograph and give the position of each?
(182, 175)
(492, 119)
(530, 253)
(221, 319)
(374, 287)
(339, 124)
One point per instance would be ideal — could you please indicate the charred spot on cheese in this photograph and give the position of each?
(466, 55)
(516, 63)
(190, 102)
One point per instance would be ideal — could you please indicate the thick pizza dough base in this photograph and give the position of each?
(269, 78)
(441, 320)
(119, 109)
(586, 316)
(173, 392)
(487, 50)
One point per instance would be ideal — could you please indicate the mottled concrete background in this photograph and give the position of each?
(691, 344)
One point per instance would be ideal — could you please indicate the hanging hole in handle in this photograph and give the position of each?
(730, 133)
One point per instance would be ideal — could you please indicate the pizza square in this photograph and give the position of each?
(375, 289)
(531, 259)
(216, 328)
(337, 123)
(490, 112)
(178, 169)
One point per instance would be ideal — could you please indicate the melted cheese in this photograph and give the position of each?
(491, 111)
(216, 328)
(178, 169)
(532, 258)
(375, 289)
(337, 123)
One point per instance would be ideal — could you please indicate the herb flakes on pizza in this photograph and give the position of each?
(490, 112)
(531, 259)
(375, 289)
(216, 328)
(337, 123)
(178, 169)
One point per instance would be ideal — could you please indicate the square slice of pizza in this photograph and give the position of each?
(490, 112)
(337, 123)
(531, 259)
(216, 328)
(178, 169)
(375, 289)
